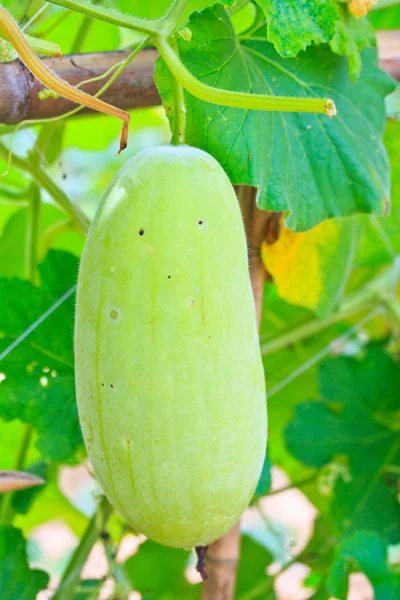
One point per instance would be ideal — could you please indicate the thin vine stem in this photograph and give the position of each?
(324, 352)
(171, 19)
(43, 47)
(83, 32)
(110, 16)
(235, 8)
(15, 196)
(164, 26)
(293, 485)
(71, 576)
(53, 230)
(372, 294)
(40, 176)
(238, 99)
(32, 233)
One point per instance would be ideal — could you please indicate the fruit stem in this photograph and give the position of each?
(178, 134)
(238, 99)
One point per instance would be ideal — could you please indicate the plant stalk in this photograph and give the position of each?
(238, 99)
(44, 181)
(178, 134)
(71, 576)
(32, 234)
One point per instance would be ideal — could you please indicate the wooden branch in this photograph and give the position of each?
(133, 89)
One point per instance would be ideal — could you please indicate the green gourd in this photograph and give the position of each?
(169, 377)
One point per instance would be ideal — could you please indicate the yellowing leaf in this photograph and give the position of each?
(359, 8)
(311, 269)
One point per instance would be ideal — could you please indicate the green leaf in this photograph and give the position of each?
(295, 24)
(254, 560)
(39, 378)
(386, 18)
(156, 10)
(158, 572)
(22, 500)
(13, 239)
(354, 424)
(264, 483)
(17, 580)
(351, 36)
(363, 551)
(312, 166)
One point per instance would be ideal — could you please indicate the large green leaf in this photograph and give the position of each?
(312, 166)
(354, 424)
(38, 385)
(17, 580)
(366, 552)
(295, 24)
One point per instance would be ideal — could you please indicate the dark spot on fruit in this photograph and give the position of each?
(200, 222)
(114, 314)
(111, 385)
(102, 385)
(141, 231)
(169, 276)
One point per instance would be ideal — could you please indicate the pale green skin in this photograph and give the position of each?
(171, 394)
